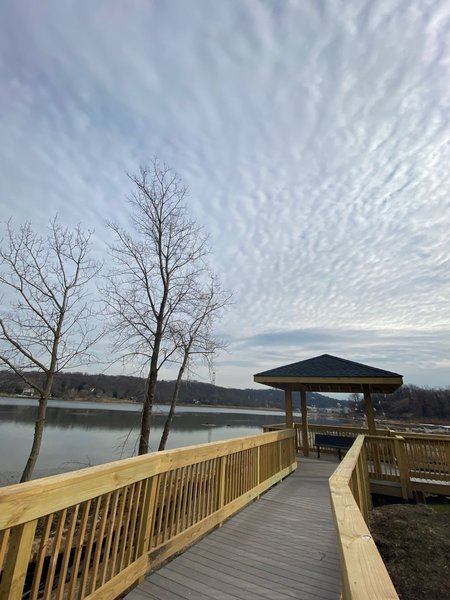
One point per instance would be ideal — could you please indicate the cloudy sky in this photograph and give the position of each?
(314, 137)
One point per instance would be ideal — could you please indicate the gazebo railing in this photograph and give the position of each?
(344, 430)
(418, 443)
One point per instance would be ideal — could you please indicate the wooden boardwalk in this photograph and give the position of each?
(280, 547)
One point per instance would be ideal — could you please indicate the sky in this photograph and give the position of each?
(314, 138)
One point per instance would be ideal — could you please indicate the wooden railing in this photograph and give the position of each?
(421, 449)
(416, 462)
(363, 573)
(345, 430)
(427, 457)
(412, 462)
(94, 533)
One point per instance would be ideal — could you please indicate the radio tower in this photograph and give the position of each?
(212, 370)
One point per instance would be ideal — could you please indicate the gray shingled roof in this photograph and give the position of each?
(327, 365)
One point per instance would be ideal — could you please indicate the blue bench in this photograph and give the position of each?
(339, 442)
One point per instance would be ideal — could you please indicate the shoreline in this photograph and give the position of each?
(108, 400)
(395, 421)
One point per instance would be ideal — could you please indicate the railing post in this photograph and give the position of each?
(376, 450)
(402, 464)
(305, 435)
(16, 560)
(148, 516)
(369, 410)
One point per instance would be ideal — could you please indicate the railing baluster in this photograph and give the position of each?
(109, 536)
(181, 499)
(90, 543)
(133, 519)
(55, 554)
(67, 552)
(99, 544)
(79, 548)
(40, 558)
(191, 500)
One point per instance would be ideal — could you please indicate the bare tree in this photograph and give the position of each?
(154, 271)
(356, 403)
(48, 327)
(193, 336)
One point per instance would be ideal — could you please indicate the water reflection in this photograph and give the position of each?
(81, 434)
(92, 418)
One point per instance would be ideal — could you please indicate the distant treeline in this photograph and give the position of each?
(411, 401)
(125, 387)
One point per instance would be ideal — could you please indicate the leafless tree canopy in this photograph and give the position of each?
(157, 273)
(48, 325)
(155, 265)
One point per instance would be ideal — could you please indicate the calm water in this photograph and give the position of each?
(80, 434)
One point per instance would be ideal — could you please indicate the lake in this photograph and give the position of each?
(80, 434)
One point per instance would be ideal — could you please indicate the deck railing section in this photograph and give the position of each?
(363, 572)
(96, 532)
(417, 462)
(345, 430)
(390, 452)
(383, 456)
(428, 457)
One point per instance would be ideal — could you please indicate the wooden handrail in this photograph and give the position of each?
(94, 533)
(363, 572)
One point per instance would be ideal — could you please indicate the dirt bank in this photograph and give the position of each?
(414, 542)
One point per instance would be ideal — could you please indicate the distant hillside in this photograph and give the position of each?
(407, 402)
(124, 387)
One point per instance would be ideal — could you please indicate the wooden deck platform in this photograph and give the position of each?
(280, 547)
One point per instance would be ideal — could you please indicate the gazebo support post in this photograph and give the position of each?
(369, 411)
(305, 434)
(288, 408)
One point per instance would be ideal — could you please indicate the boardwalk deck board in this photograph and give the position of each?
(281, 547)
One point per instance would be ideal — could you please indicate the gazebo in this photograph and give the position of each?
(328, 373)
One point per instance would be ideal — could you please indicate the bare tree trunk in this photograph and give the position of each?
(37, 440)
(149, 399)
(176, 391)
(151, 383)
(146, 416)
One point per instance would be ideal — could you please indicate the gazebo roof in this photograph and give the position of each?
(328, 373)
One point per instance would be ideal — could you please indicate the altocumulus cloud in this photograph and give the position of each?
(314, 138)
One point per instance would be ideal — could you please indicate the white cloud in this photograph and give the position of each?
(314, 139)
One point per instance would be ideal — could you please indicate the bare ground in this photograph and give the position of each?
(414, 542)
